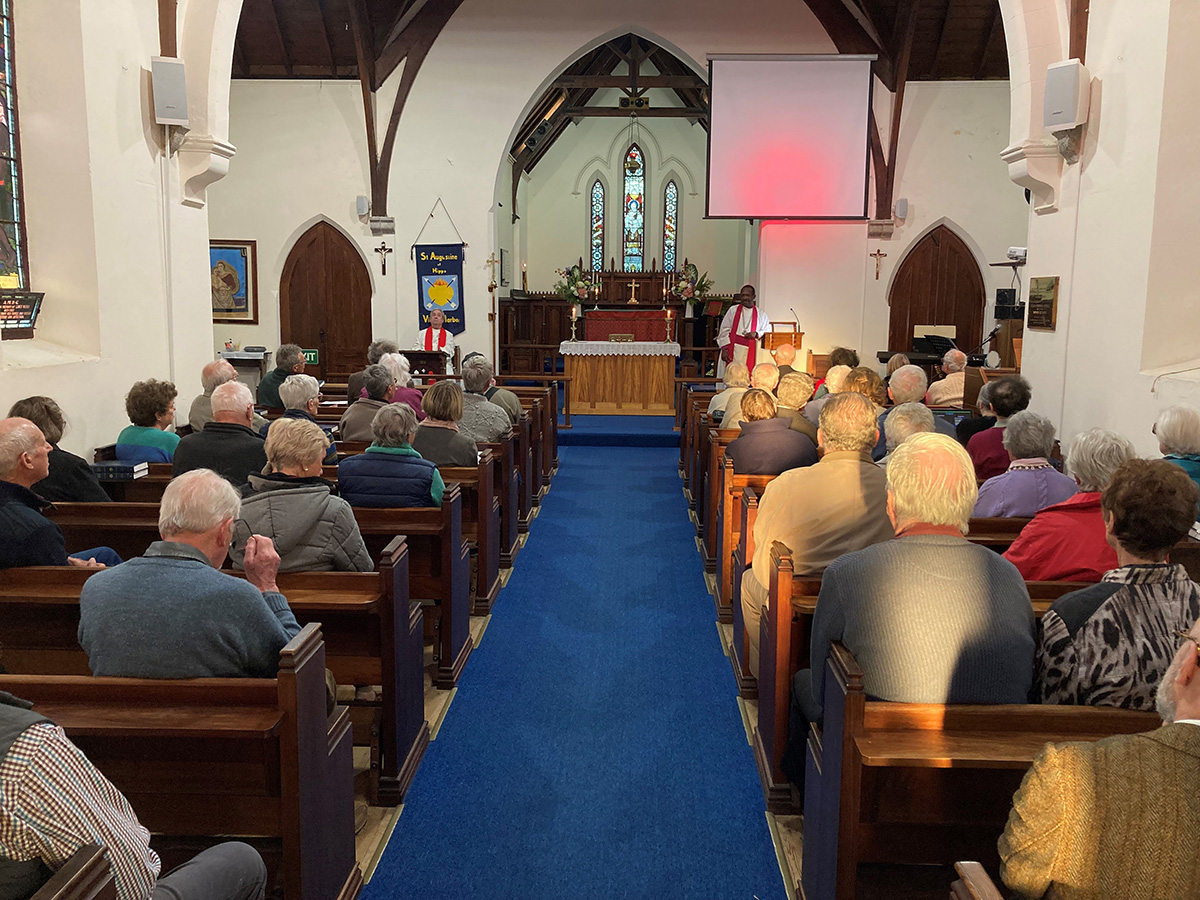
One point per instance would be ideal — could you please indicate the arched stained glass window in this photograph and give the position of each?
(14, 270)
(670, 225)
(634, 215)
(597, 226)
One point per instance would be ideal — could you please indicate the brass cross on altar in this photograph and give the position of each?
(878, 255)
(383, 250)
(633, 286)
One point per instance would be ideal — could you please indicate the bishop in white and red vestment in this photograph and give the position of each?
(740, 332)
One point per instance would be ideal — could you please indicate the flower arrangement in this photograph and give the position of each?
(691, 284)
(574, 284)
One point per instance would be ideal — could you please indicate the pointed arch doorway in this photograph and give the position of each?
(938, 283)
(325, 299)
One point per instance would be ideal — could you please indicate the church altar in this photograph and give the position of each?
(643, 324)
(621, 378)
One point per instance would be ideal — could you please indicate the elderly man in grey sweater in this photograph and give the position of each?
(930, 617)
(172, 613)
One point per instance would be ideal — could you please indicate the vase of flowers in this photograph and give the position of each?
(573, 285)
(691, 285)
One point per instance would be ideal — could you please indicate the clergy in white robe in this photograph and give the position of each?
(741, 329)
(436, 337)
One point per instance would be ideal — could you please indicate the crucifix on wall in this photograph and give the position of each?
(383, 250)
(878, 256)
(633, 286)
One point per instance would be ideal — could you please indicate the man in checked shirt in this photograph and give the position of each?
(53, 801)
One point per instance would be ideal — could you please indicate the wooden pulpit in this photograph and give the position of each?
(778, 336)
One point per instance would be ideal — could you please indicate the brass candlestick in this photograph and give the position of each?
(574, 319)
(667, 336)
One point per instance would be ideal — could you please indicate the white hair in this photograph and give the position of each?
(785, 354)
(765, 376)
(19, 436)
(904, 421)
(196, 502)
(835, 378)
(931, 480)
(1028, 435)
(736, 376)
(794, 390)
(216, 373)
(397, 364)
(297, 390)
(849, 422)
(393, 425)
(1095, 455)
(1178, 430)
(908, 384)
(954, 361)
(232, 396)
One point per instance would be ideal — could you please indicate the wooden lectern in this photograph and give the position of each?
(427, 362)
(777, 336)
(977, 378)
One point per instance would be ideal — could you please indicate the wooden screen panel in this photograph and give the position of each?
(939, 283)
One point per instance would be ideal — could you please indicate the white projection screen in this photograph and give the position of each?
(788, 137)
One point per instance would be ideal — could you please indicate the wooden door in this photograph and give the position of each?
(939, 283)
(325, 299)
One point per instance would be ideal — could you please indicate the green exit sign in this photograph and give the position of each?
(310, 357)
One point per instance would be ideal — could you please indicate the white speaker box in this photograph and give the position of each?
(902, 208)
(169, 87)
(1068, 91)
(362, 205)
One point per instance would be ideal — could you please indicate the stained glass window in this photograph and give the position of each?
(634, 209)
(13, 266)
(597, 226)
(670, 225)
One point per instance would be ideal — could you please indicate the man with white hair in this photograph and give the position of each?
(793, 395)
(764, 377)
(483, 421)
(737, 381)
(821, 511)
(835, 379)
(436, 337)
(970, 640)
(27, 538)
(301, 396)
(907, 385)
(902, 423)
(1115, 819)
(172, 613)
(502, 397)
(949, 391)
(785, 355)
(212, 376)
(227, 445)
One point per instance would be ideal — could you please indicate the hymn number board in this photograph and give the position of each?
(18, 313)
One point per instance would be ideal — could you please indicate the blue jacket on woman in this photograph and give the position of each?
(390, 478)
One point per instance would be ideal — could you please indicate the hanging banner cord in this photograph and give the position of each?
(413, 249)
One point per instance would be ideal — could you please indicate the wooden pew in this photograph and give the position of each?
(683, 386)
(507, 480)
(439, 572)
(373, 635)
(480, 523)
(697, 426)
(786, 636)
(917, 784)
(973, 883)
(710, 501)
(200, 758)
(745, 511)
(82, 877)
(547, 398)
(728, 529)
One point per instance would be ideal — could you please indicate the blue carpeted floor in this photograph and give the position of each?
(594, 749)
(618, 431)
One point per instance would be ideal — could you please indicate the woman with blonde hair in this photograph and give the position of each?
(438, 438)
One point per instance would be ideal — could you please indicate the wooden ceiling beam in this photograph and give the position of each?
(989, 34)
(654, 112)
(902, 54)
(568, 82)
(849, 36)
(277, 30)
(360, 25)
(935, 65)
(322, 8)
(1078, 29)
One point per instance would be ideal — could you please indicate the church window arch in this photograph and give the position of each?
(14, 266)
(634, 211)
(596, 225)
(670, 226)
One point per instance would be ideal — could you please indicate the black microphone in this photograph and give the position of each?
(796, 317)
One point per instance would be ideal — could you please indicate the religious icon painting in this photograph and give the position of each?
(233, 275)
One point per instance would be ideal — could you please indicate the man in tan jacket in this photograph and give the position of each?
(820, 512)
(1116, 819)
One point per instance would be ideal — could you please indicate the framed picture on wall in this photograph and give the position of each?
(505, 268)
(233, 273)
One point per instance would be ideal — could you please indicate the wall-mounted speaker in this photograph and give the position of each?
(169, 87)
(634, 103)
(1066, 96)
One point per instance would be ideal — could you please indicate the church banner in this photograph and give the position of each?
(439, 284)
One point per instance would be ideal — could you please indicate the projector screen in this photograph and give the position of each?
(788, 137)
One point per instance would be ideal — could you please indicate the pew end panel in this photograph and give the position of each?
(745, 511)
(481, 525)
(85, 876)
(973, 883)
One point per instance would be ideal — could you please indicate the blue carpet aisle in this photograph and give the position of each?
(594, 749)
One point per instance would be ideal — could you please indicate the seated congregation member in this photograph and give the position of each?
(929, 616)
(737, 381)
(1008, 397)
(55, 803)
(821, 511)
(483, 421)
(355, 424)
(901, 423)
(1067, 541)
(867, 382)
(785, 355)
(1115, 819)
(907, 385)
(172, 613)
(438, 438)
(150, 406)
(834, 381)
(949, 391)
(436, 337)
(1109, 644)
(301, 396)
(227, 444)
(765, 377)
(27, 538)
(313, 530)
(404, 392)
(1178, 433)
(767, 444)
(895, 361)
(1031, 482)
(505, 399)
(289, 360)
(212, 376)
(375, 352)
(792, 396)
(390, 474)
(71, 479)
(838, 356)
(968, 428)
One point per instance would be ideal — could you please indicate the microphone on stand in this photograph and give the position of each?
(796, 317)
